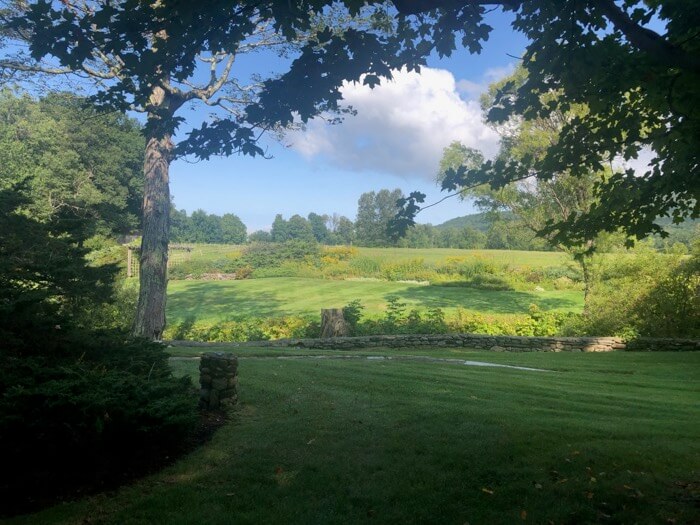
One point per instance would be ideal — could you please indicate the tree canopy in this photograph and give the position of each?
(72, 159)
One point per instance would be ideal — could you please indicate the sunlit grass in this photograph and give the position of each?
(215, 300)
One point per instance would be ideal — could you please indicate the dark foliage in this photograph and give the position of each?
(268, 255)
(102, 412)
(79, 410)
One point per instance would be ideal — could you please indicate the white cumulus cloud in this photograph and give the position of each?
(401, 126)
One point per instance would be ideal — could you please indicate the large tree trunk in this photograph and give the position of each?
(150, 312)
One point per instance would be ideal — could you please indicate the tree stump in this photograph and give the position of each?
(333, 323)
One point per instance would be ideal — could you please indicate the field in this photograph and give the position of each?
(211, 252)
(597, 438)
(301, 291)
(280, 296)
(435, 255)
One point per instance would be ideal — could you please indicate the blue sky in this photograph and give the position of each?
(395, 141)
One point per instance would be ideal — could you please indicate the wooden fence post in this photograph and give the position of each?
(129, 256)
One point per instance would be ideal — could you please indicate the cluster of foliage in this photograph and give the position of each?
(86, 412)
(207, 228)
(73, 159)
(651, 294)
(248, 329)
(622, 89)
(493, 230)
(501, 233)
(375, 210)
(325, 229)
(396, 319)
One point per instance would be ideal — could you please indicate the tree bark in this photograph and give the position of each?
(153, 278)
(587, 278)
(333, 323)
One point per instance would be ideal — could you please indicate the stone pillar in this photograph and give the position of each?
(218, 378)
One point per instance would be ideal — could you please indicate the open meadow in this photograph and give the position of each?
(274, 283)
(596, 438)
(280, 296)
(214, 252)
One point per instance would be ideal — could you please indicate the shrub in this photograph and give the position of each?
(365, 267)
(117, 314)
(339, 253)
(476, 266)
(104, 410)
(352, 312)
(413, 269)
(563, 283)
(266, 255)
(490, 282)
(394, 314)
(198, 267)
(652, 294)
(244, 272)
(249, 329)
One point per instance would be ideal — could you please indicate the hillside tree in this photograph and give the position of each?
(279, 231)
(375, 211)
(298, 228)
(318, 226)
(341, 230)
(233, 231)
(72, 159)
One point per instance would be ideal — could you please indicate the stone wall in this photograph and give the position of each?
(480, 342)
(218, 379)
(496, 343)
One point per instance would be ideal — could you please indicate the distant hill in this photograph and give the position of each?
(477, 221)
(684, 233)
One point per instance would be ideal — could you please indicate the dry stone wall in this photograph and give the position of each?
(494, 343)
(218, 379)
(487, 342)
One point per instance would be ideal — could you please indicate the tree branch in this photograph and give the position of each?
(647, 40)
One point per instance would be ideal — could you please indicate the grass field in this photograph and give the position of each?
(599, 438)
(217, 300)
(436, 255)
(210, 252)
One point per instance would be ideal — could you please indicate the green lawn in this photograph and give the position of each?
(601, 438)
(216, 300)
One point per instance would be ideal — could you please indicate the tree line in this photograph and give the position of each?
(487, 230)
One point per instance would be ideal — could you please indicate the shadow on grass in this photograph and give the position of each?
(488, 301)
(210, 300)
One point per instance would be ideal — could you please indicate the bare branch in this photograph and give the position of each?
(34, 68)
